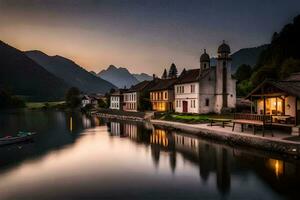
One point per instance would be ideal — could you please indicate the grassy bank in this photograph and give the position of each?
(41, 105)
(192, 118)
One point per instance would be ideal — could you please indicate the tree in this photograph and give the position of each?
(288, 67)
(244, 88)
(73, 97)
(243, 73)
(145, 103)
(165, 75)
(173, 71)
(102, 103)
(265, 72)
(9, 101)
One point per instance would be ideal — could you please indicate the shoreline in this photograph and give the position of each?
(235, 138)
(228, 137)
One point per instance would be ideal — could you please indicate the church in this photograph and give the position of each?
(207, 89)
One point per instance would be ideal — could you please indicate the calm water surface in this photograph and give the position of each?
(77, 157)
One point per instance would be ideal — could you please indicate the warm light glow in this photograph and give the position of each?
(71, 124)
(159, 136)
(276, 166)
(274, 106)
(159, 106)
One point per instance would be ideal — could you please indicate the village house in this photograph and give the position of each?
(91, 100)
(85, 100)
(162, 94)
(208, 89)
(116, 100)
(132, 97)
(280, 99)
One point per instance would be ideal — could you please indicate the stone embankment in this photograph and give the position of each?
(272, 144)
(122, 115)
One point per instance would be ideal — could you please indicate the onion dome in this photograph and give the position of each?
(204, 57)
(224, 48)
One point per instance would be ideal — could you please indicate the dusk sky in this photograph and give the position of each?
(144, 36)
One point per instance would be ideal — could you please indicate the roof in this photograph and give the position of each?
(224, 48)
(204, 57)
(193, 75)
(289, 87)
(144, 85)
(163, 84)
(118, 92)
(294, 77)
(85, 97)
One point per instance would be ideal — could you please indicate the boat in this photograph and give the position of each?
(21, 137)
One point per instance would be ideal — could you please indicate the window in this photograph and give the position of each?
(166, 95)
(204, 66)
(192, 88)
(193, 103)
(180, 89)
(206, 102)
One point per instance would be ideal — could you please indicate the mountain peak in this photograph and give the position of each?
(111, 67)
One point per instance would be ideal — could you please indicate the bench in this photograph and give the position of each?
(216, 122)
(254, 120)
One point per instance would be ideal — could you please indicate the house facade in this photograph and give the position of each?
(85, 100)
(131, 101)
(280, 99)
(116, 100)
(132, 97)
(162, 94)
(208, 89)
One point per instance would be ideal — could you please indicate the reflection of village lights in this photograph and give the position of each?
(159, 137)
(277, 166)
(71, 124)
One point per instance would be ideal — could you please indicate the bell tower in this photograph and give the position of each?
(223, 76)
(204, 61)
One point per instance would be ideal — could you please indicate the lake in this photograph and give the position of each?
(78, 157)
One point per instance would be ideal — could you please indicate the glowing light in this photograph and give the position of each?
(71, 124)
(276, 166)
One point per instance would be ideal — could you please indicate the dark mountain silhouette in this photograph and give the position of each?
(282, 57)
(247, 56)
(22, 76)
(142, 77)
(71, 73)
(120, 77)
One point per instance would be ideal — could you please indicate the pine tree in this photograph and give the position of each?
(173, 71)
(165, 75)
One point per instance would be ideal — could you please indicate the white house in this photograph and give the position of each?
(116, 100)
(208, 89)
(85, 100)
(132, 96)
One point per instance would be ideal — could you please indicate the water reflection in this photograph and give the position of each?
(215, 161)
(89, 157)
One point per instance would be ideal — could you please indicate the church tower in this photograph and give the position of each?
(204, 61)
(223, 77)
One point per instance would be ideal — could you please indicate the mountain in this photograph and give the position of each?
(22, 76)
(282, 57)
(248, 56)
(70, 72)
(142, 77)
(118, 76)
